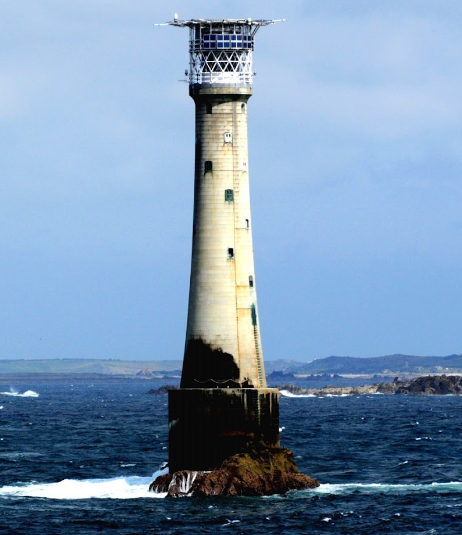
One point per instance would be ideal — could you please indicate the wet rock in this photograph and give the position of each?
(254, 473)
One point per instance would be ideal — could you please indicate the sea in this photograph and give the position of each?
(79, 458)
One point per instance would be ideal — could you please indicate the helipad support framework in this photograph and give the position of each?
(223, 346)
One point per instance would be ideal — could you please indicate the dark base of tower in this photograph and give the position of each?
(225, 441)
(207, 425)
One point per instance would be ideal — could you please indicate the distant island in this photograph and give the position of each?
(390, 365)
(141, 368)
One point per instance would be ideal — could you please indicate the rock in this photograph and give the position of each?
(438, 385)
(429, 385)
(162, 390)
(254, 473)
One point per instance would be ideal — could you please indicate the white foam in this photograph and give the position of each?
(229, 522)
(118, 488)
(368, 488)
(19, 454)
(184, 483)
(288, 394)
(26, 394)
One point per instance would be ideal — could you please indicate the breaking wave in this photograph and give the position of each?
(118, 488)
(376, 488)
(135, 487)
(15, 393)
(288, 394)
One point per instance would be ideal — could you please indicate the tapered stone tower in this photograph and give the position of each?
(223, 405)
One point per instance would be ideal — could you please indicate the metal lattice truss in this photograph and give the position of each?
(221, 67)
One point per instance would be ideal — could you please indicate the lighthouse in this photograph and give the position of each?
(223, 405)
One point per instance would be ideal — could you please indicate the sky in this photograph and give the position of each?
(355, 159)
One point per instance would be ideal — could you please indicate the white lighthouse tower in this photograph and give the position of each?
(223, 404)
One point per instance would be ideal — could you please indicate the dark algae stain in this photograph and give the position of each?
(205, 366)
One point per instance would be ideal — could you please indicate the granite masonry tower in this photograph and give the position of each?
(223, 406)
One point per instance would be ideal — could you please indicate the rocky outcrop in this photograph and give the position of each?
(254, 473)
(438, 385)
(162, 390)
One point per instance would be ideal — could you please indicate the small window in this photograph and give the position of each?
(208, 167)
(243, 108)
(228, 137)
(247, 223)
(230, 252)
(229, 195)
(251, 281)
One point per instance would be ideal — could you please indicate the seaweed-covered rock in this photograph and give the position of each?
(253, 473)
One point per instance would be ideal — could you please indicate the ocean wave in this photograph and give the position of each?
(135, 487)
(288, 394)
(336, 395)
(118, 488)
(15, 393)
(17, 455)
(369, 488)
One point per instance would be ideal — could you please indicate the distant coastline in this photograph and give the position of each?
(340, 371)
(94, 367)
